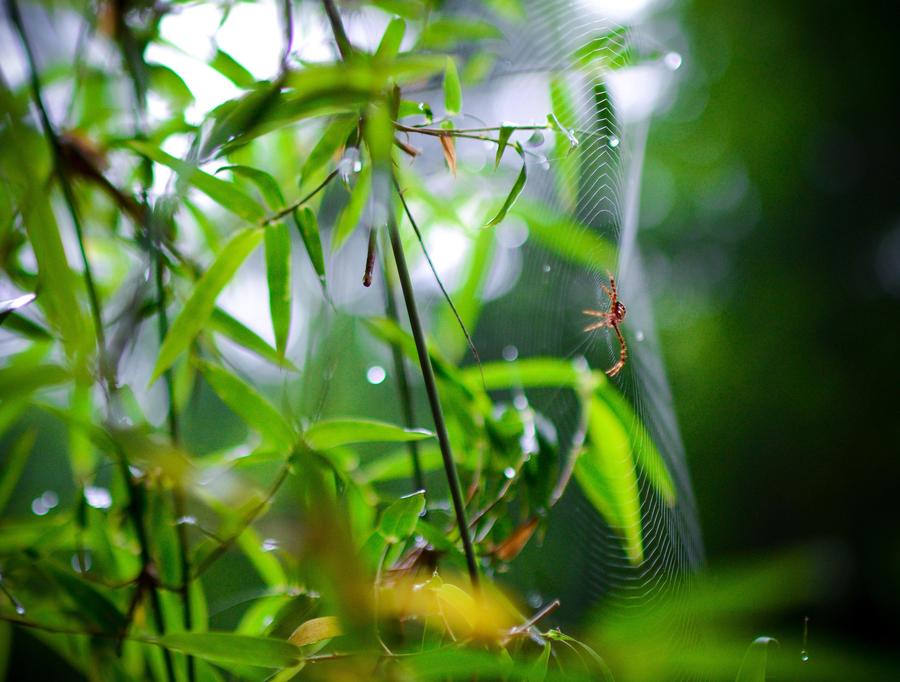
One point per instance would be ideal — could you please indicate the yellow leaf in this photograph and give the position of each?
(315, 630)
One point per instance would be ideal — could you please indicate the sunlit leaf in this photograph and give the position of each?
(503, 138)
(199, 306)
(316, 630)
(229, 67)
(226, 194)
(255, 410)
(333, 138)
(389, 46)
(399, 520)
(330, 433)
(223, 647)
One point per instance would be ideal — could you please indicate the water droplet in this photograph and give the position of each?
(510, 353)
(534, 599)
(38, 508)
(268, 620)
(81, 562)
(613, 141)
(20, 609)
(804, 656)
(349, 163)
(50, 499)
(639, 335)
(672, 60)
(186, 521)
(520, 401)
(375, 374)
(536, 139)
(509, 472)
(98, 498)
(126, 421)
(543, 163)
(546, 268)
(269, 545)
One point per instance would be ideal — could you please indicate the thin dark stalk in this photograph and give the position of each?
(434, 400)
(337, 27)
(68, 194)
(178, 494)
(371, 253)
(406, 404)
(290, 208)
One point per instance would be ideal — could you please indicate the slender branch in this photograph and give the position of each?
(290, 208)
(434, 400)
(337, 27)
(406, 403)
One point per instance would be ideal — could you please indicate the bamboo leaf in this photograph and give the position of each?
(13, 304)
(278, 275)
(399, 520)
(226, 194)
(308, 227)
(248, 404)
(448, 146)
(333, 138)
(14, 464)
(316, 630)
(225, 324)
(514, 193)
(452, 89)
(225, 647)
(332, 433)
(753, 667)
(265, 183)
(389, 46)
(528, 373)
(200, 304)
(352, 212)
(503, 138)
(229, 67)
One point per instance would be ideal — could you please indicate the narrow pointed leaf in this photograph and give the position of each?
(265, 183)
(316, 630)
(399, 520)
(511, 198)
(389, 46)
(448, 146)
(753, 667)
(229, 67)
(13, 304)
(333, 138)
(226, 194)
(225, 647)
(352, 212)
(503, 137)
(452, 88)
(225, 324)
(308, 227)
(278, 275)
(200, 304)
(248, 404)
(331, 433)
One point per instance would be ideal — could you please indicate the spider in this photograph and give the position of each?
(612, 319)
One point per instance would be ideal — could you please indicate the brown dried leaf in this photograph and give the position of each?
(315, 630)
(509, 549)
(449, 147)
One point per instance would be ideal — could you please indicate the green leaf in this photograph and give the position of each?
(538, 672)
(239, 120)
(753, 667)
(446, 32)
(610, 50)
(170, 85)
(399, 520)
(91, 603)
(226, 194)
(249, 405)
(225, 647)
(607, 476)
(332, 139)
(573, 241)
(528, 373)
(265, 183)
(503, 137)
(308, 227)
(331, 433)
(278, 275)
(513, 194)
(225, 324)
(14, 464)
(229, 67)
(452, 89)
(22, 379)
(389, 46)
(350, 216)
(200, 304)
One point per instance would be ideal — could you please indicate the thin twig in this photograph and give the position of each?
(281, 213)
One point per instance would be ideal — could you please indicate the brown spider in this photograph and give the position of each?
(612, 319)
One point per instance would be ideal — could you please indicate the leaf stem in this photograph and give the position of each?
(290, 208)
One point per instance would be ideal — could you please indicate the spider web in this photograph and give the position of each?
(540, 314)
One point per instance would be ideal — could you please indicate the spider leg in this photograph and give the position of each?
(623, 353)
(609, 294)
(596, 325)
(595, 313)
